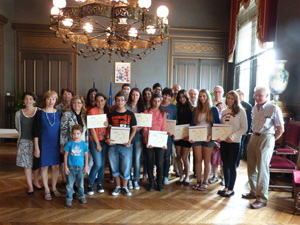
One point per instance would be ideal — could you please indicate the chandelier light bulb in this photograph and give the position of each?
(132, 32)
(59, 3)
(54, 11)
(108, 32)
(88, 27)
(68, 22)
(145, 3)
(80, 1)
(162, 11)
(150, 29)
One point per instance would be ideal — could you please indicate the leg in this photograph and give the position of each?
(28, 176)
(97, 162)
(150, 164)
(125, 159)
(251, 164)
(103, 157)
(137, 153)
(80, 182)
(233, 157)
(224, 154)
(167, 157)
(44, 173)
(55, 174)
(159, 159)
(179, 160)
(145, 163)
(113, 156)
(185, 153)
(70, 183)
(198, 156)
(207, 166)
(37, 174)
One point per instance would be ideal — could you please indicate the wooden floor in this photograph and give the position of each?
(176, 205)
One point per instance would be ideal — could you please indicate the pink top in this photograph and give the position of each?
(159, 122)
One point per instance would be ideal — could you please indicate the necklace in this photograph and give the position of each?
(51, 124)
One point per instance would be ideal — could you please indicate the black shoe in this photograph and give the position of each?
(228, 195)
(179, 182)
(151, 187)
(221, 192)
(177, 174)
(160, 188)
(38, 188)
(30, 193)
(186, 183)
(100, 188)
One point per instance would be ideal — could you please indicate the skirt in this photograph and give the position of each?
(25, 153)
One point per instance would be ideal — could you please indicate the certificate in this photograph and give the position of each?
(143, 120)
(181, 131)
(221, 131)
(198, 133)
(119, 135)
(171, 124)
(96, 121)
(157, 139)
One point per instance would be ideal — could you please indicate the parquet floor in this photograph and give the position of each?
(176, 205)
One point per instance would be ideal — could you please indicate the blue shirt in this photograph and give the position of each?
(171, 111)
(76, 153)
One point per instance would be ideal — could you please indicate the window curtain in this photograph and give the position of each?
(266, 25)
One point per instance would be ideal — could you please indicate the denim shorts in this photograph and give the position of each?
(209, 144)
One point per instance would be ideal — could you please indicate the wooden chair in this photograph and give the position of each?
(296, 184)
(279, 161)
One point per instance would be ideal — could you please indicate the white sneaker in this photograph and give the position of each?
(130, 184)
(116, 191)
(126, 191)
(136, 185)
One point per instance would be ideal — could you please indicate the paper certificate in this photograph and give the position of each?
(143, 119)
(171, 124)
(181, 131)
(119, 135)
(221, 131)
(96, 121)
(157, 139)
(198, 133)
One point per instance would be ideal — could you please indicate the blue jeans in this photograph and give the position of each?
(120, 159)
(167, 157)
(99, 159)
(76, 173)
(229, 155)
(137, 147)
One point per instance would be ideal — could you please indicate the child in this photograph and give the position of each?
(76, 164)
(120, 155)
(216, 155)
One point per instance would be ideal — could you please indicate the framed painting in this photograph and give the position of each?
(122, 72)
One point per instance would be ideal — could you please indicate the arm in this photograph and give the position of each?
(108, 140)
(67, 171)
(94, 135)
(278, 132)
(131, 136)
(86, 162)
(216, 115)
(17, 121)
(64, 129)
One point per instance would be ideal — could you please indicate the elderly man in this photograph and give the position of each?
(267, 128)
(218, 94)
(193, 94)
(176, 88)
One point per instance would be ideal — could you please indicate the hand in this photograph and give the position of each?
(105, 124)
(219, 140)
(85, 169)
(61, 149)
(110, 142)
(149, 146)
(128, 144)
(208, 138)
(191, 141)
(186, 138)
(228, 140)
(165, 147)
(67, 171)
(37, 153)
(99, 148)
(169, 134)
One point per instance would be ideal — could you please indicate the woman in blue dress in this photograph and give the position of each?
(46, 141)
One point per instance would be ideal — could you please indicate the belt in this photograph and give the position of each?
(259, 134)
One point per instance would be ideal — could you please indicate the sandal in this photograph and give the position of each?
(48, 197)
(197, 186)
(56, 193)
(203, 187)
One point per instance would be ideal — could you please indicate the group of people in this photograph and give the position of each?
(57, 136)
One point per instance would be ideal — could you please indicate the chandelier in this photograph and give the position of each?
(121, 28)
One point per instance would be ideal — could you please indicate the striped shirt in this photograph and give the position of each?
(267, 118)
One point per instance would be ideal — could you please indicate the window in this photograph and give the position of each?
(252, 63)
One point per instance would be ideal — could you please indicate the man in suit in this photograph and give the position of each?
(245, 137)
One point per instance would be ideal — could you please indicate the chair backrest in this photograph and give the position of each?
(292, 136)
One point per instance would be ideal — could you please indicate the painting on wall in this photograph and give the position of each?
(122, 72)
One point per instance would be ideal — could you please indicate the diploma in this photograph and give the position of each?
(96, 121)
(143, 119)
(157, 139)
(181, 131)
(198, 133)
(221, 131)
(171, 124)
(119, 135)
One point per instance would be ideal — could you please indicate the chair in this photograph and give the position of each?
(279, 161)
(296, 184)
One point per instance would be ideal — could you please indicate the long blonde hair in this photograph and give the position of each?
(207, 107)
(78, 97)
